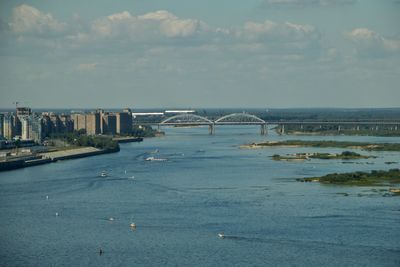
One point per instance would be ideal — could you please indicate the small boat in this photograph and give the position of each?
(221, 235)
(133, 225)
(111, 219)
(155, 159)
(103, 174)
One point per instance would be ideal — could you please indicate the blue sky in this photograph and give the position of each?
(185, 53)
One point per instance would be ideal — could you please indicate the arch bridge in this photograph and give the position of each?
(231, 119)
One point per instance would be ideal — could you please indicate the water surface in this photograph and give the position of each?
(207, 185)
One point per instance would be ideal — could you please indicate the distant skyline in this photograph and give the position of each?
(185, 53)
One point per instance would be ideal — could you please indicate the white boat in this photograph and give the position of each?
(221, 235)
(103, 174)
(133, 225)
(155, 159)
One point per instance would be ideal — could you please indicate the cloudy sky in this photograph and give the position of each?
(208, 53)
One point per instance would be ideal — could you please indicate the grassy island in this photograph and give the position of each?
(345, 155)
(373, 178)
(324, 144)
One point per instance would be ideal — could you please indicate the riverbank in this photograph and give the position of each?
(326, 144)
(127, 139)
(53, 156)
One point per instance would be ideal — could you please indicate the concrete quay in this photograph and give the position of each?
(49, 157)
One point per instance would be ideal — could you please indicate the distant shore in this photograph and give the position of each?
(326, 144)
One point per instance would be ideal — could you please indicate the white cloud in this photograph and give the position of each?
(124, 32)
(305, 3)
(152, 25)
(29, 20)
(273, 31)
(280, 38)
(371, 43)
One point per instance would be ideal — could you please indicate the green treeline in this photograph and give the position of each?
(359, 178)
(332, 129)
(79, 138)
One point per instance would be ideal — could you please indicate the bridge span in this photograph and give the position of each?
(189, 119)
(231, 119)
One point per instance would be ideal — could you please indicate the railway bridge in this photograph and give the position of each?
(189, 119)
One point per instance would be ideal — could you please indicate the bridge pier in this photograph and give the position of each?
(211, 129)
(264, 130)
(283, 129)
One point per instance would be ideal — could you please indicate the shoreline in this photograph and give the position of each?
(127, 139)
(54, 156)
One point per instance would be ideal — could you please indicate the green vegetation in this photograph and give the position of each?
(143, 131)
(346, 155)
(331, 129)
(323, 144)
(373, 178)
(79, 138)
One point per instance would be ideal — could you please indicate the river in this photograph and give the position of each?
(207, 185)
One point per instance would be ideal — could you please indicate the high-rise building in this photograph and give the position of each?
(1, 126)
(46, 125)
(79, 120)
(124, 123)
(67, 125)
(8, 126)
(109, 123)
(32, 128)
(56, 125)
(35, 128)
(89, 122)
(93, 123)
(24, 111)
(25, 121)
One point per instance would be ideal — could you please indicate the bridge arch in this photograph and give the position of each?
(240, 118)
(186, 119)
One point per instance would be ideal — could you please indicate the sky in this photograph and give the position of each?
(192, 54)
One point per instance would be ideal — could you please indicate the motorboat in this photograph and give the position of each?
(221, 235)
(133, 226)
(155, 159)
(103, 174)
